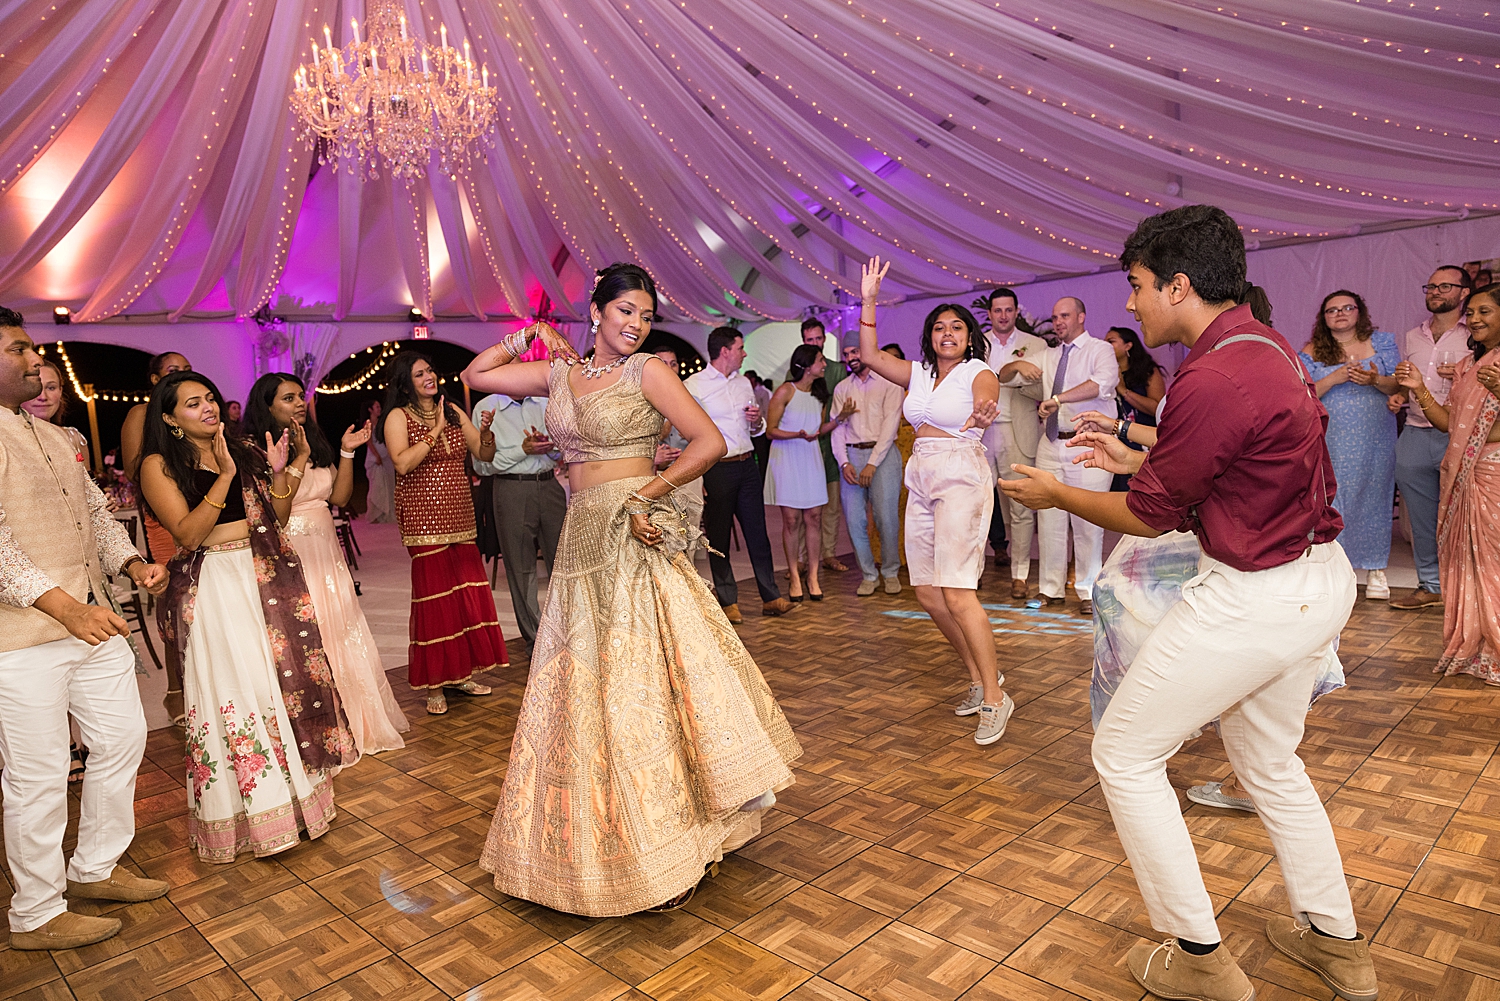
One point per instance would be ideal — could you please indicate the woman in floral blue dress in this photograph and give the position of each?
(1354, 366)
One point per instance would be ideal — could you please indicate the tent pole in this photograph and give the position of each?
(88, 396)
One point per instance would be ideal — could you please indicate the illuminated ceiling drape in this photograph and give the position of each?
(749, 152)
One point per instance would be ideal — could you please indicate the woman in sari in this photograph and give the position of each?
(324, 476)
(1468, 531)
(648, 743)
(265, 732)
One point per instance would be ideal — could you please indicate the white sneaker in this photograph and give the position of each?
(1376, 587)
(992, 720)
(971, 703)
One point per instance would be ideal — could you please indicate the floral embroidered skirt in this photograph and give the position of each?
(644, 729)
(247, 791)
(455, 631)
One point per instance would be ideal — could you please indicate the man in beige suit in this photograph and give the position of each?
(1013, 436)
(62, 651)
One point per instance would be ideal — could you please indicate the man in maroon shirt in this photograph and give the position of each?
(1240, 461)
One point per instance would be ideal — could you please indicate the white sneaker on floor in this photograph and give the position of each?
(970, 705)
(1212, 794)
(1376, 587)
(992, 721)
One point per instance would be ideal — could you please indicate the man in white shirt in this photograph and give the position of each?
(529, 503)
(870, 466)
(1079, 375)
(1012, 439)
(1433, 347)
(732, 487)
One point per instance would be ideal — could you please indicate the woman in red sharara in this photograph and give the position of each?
(455, 633)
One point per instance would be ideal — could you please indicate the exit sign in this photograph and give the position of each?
(419, 332)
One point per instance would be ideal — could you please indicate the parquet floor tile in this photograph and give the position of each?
(905, 864)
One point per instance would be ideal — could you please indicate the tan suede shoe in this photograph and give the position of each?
(122, 884)
(732, 613)
(1168, 972)
(1344, 964)
(66, 931)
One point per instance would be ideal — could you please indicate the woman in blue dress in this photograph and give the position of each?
(1354, 367)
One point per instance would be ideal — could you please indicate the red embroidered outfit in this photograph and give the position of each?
(455, 632)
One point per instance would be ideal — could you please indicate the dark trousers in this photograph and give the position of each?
(528, 520)
(733, 490)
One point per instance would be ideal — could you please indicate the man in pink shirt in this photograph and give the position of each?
(1240, 462)
(1434, 348)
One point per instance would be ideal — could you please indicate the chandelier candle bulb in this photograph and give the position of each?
(403, 28)
(354, 22)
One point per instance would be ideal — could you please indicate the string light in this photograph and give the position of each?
(387, 352)
(103, 395)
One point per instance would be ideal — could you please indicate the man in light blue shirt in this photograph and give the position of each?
(529, 503)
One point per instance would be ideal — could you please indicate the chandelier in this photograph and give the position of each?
(392, 97)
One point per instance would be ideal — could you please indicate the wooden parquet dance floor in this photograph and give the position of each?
(907, 864)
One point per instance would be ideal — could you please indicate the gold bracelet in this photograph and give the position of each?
(277, 496)
(667, 481)
(1426, 400)
(294, 472)
(213, 503)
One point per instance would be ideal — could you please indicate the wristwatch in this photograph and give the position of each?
(1122, 430)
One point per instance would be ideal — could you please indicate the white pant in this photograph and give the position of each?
(1245, 647)
(1020, 521)
(39, 687)
(1088, 539)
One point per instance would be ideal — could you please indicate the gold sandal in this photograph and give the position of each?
(471, 687)
(436, 703)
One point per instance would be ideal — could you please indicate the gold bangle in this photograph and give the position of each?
(213, 503)
(277, 496)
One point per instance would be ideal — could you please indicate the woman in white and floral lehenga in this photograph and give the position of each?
(648, 743)
(265, 732)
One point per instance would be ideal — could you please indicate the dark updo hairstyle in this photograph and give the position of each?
(619, 278)
(803, 357)
(258, 420)
(979, 347)
(157, 362)
(400, 390)
(1325, 347)
(179, 455)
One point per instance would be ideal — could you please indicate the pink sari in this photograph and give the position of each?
(1469, 531)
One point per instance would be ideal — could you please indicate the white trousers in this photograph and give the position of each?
(39, 687)
(1245, 647)
(1088, 539)
(1020, 521)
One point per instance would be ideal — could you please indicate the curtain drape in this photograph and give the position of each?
(750, 153)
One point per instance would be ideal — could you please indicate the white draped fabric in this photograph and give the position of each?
(748, 152)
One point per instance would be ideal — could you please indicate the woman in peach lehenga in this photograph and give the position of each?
(648, 743)
(1469, 501)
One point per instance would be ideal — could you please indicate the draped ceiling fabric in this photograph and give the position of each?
(750, 153)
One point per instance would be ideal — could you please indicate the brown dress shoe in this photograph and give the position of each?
(1086, 607)
(778, 607)
(1018, 590)
(1420, 598)
(732, 613)
(1168, 972)
(122, 884)
(834, 563)
(1344, 964)
(67, 931)
(1050, 601)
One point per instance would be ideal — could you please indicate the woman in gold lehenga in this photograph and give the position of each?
(648, 743)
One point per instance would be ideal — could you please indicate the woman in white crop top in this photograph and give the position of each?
(952, 397)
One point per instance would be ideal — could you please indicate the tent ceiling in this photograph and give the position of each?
(749, 152)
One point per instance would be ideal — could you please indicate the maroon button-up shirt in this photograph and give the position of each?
(1240, 458)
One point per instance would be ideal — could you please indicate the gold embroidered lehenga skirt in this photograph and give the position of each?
(644, 729)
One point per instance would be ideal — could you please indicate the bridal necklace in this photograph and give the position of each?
(590, 371)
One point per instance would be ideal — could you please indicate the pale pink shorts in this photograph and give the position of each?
(948, 512)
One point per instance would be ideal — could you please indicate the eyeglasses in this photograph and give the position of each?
(1336, 310)
(1444, 287)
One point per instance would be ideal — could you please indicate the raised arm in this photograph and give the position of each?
(479, 438)
(494, 370)
(343, 480)
(189, 525)
(705, 445)
(887, 366)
